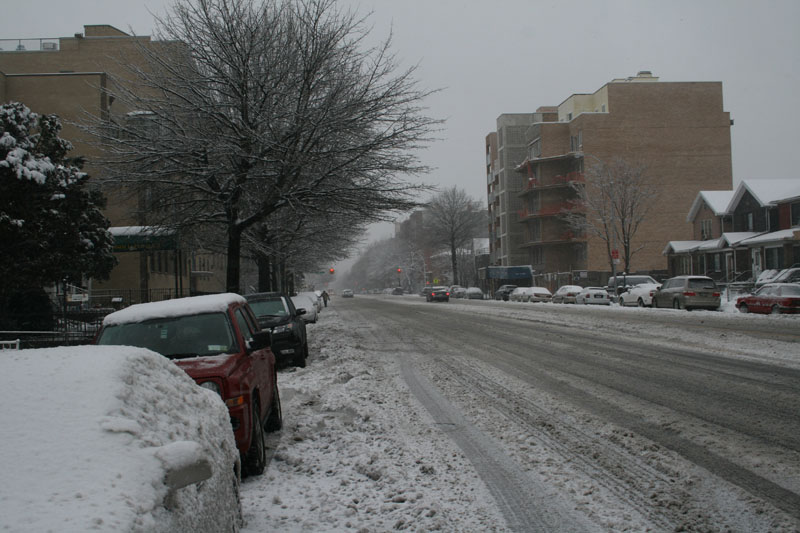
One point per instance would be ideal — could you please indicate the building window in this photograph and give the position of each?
(569, 116)
(537, 256)
(796, 214)
(750, 223)
(774, 258)
(705, 229)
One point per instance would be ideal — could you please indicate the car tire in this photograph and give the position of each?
(743, 308)
(275, 420)
(640, 303)
(775, 310)
(676, 304)
(256, 458)
(300, 359)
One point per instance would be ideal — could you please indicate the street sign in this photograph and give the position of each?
(614, 254)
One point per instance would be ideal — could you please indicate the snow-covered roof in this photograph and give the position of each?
(717, 201)
(767, 191)
(179, 307)
(734, 238)
(792, 234)
(681, 247)
(118, 231)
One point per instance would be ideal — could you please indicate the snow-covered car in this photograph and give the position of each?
(639, 295)
(458, 292)
(503, 292)
(787, 275)
(594, 296)
(347, 293)
(774, 298)
(113, 438)
(623, 282)
(566, 294)
(530, 294)
(520, 294)
(315, 299)
(302, 301)
(474, 293)
(216, 340)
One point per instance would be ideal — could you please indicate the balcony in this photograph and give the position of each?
(549, 210)
(550, 182)
(567, 237)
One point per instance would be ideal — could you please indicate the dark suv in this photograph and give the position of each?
(216, 340)
(276, 312)
(503, 292)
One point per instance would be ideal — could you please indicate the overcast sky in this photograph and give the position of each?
(512, 56)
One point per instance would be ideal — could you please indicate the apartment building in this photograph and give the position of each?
(71, 77)
(679, 130)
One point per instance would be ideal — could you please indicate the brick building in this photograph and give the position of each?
(71, 77)
(679, 130)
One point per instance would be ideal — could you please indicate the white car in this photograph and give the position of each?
(302, 301)
(594, 296)
(530, 294)
(639, 295)
(474, 293)
(566, 294)
(314, 298)
(114, 438)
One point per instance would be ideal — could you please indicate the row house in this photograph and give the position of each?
(72, 77)
(740, 233)
(678, 129)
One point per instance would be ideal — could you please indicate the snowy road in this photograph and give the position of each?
(557, 417)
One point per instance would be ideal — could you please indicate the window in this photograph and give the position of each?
(750, 223)
(795, 214)
(537, 256)
(774, 258)
(244, 325)
(706, 229)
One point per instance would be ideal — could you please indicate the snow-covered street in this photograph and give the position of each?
(385, 429)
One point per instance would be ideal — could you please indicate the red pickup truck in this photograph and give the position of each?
(217, 341)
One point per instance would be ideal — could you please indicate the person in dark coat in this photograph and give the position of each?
(325, 298)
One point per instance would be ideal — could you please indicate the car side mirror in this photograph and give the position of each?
(260, 340)
(300, 312)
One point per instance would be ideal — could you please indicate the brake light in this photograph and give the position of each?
(447, 294)
(690, 293)
(652, 293)
(715, 294)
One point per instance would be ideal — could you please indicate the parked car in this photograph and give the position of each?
(113, 438)
(530, 294)
(503, 292)
(639, 295)
(688, 292)
(787, 275)
(437, 294)
(624, 282)
(520, 294)
(217, 341)
(277, 313)
(397, 291)
(474, 293)
(566, 294)
(347, 293)
(593, 296)
(315, 299)
(303, 302)
(458, 292)
(773, 298)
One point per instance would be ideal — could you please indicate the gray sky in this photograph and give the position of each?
(512, 56)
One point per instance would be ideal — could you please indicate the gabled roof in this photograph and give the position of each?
(792, 234)
(717, 201)
(766, 191)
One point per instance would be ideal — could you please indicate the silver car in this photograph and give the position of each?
(688, 292)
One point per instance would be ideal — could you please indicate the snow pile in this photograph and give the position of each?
(91, 433)
(356, 452)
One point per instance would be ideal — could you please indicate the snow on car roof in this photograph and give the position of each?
(169, 308)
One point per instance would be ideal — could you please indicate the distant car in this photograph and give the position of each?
(437, 294)
(347, 293)
(217, 341)
(520, 294)
(772, 298)
(397, 291)
(530, 294)
(114, 438)
(540, 294)
(639, 295)
(566, 294)
(277, 313)
(688, 292)
(474, 293)
(458, 292)
(624, 282)
(593, 296)
(503, 292)
(302, 301)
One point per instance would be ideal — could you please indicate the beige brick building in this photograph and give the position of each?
(678, 129)
(69, 76)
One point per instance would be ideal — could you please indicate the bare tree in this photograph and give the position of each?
(248, 108)
(454, 219)
(614, 201)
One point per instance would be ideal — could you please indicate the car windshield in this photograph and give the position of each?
(702, 284)
(175, 337)
(274, 307)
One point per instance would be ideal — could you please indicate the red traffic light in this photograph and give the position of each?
(330, 270)
(399, 270)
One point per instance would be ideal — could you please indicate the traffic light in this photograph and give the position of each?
(331, 270)
(399, 270)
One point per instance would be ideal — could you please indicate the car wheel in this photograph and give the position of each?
(676, 304)
(275, 420)
(743, 308)
(256, 458)
(776, 310)
(300, 359)
(640, 302)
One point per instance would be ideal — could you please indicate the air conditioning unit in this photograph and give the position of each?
(49, 46)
